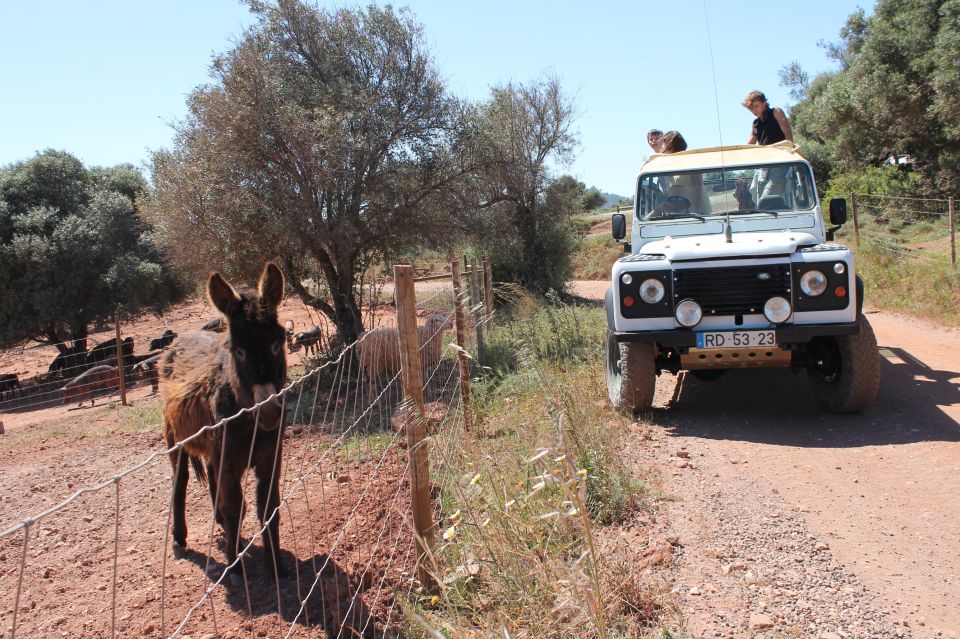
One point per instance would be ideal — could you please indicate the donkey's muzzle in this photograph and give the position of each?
(270, 411)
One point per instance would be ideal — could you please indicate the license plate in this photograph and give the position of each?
(736, 339)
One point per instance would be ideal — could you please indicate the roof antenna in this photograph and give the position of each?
(728, 233)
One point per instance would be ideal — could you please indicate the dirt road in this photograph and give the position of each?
(864, 509)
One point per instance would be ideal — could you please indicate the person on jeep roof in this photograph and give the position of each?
(771, 124)
(653, 139)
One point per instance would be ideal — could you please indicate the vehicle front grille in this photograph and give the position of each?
(733, 290)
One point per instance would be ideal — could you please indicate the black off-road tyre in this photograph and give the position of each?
(851, 381)
(631, 375)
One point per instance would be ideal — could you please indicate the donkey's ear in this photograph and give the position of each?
(222, 295)
(271, 288)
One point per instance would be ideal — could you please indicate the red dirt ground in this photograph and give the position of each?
(348, 525)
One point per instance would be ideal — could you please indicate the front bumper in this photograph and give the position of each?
(789, 334)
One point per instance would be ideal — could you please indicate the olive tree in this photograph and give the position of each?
(327, 139)
(526, 129)
(73, 248)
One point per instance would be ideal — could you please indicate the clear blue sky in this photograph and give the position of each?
(103, 79)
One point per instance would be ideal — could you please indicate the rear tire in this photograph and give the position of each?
(631, 375)
(845, 376)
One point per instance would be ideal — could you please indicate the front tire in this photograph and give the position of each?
(631, 375)
(845, 374)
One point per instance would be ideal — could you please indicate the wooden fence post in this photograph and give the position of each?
(856, 221)
(464, 361)
(487, 290)
(121, 371)
(476, 300)
(953, 232)
(412, 375)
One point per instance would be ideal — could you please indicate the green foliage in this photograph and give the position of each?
(877, 180)
(595, 257)
(566, 195)
(894, 93)
(325, 138)
(533, 252)
(73, 248)
(520, 131)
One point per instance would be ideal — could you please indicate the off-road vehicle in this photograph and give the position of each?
(730, 265)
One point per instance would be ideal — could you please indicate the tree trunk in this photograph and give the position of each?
(342, 309)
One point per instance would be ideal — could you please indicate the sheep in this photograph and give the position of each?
(86, 385)
(379, 350)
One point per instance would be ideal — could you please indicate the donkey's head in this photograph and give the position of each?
(256, 340)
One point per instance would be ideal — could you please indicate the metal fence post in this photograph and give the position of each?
(415, 425)
(121, 372)
(462, 358)
(476, 300)
(487, 290)
(856, 220)
(953, 232)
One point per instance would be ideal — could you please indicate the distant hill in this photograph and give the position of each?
(611, 199)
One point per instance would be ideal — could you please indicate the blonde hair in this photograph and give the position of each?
(754, 97)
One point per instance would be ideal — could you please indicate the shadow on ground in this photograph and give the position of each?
(332, 599)
(776, 406)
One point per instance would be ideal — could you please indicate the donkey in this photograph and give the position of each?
(206, 376)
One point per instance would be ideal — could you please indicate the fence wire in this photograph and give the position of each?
(100, 562)
(908, 229)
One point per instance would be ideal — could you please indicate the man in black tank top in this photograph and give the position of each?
(771, 125)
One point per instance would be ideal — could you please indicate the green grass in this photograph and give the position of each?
(523, 494)
(594, 257)
(906, 268)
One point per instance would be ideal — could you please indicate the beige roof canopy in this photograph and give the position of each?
(717, 156)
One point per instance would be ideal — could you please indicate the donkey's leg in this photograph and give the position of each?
(268, 500)
(230, 509)
(212, 485)
(178, 460)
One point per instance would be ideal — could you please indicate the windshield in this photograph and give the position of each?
(753, 190)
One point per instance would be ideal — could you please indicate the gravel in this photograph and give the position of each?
(747, 565)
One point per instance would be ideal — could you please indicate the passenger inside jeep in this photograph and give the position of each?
(775, 188)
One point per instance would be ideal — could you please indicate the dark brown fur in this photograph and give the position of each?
(205, 377)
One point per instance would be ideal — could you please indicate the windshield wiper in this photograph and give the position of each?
(750, 211)
(675, 216)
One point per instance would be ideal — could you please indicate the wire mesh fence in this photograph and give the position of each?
(906, 228)
(45, 381)
(100, 560)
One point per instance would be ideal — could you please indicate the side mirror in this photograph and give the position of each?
(838, 210)
(619, 223)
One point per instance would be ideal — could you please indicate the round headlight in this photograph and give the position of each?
(651, 291)
(689, 313)
(839, 268)
(777, 310)
(813, 283)
(626, 278)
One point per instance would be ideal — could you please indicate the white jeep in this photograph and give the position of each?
(730, 266)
